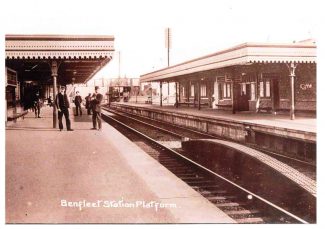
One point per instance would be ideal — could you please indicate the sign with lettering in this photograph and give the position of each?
(305, 86)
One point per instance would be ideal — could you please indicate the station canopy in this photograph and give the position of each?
(78, 57)
(241, 55)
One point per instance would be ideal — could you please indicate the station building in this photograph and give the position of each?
(257, 77)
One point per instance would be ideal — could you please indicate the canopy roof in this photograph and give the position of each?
(244, 54)
(79, 57)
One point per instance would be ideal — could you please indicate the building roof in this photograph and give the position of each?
(59, 46)
(247, 53)
(80, 57)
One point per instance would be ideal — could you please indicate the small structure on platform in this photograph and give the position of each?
(121, 89)
(248, 77)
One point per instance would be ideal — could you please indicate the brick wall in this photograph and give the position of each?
(305, 87)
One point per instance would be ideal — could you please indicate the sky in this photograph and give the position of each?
(199, 27)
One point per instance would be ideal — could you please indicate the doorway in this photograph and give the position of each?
(275, 95)
(244, 97)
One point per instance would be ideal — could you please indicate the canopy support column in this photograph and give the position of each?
(188, 93)
(199, 94)
(54, 74)
(233, 97)
(176, 95)
(168, 92)
(160, 84)
(292, 75)
(179, 92)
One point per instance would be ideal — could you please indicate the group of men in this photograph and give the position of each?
(93, 103)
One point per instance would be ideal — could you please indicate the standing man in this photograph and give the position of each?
(49, 101)
(88, 104)
(77, 102)
(96, 107)
(37, 105)
(62, 104)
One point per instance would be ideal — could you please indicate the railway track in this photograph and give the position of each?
(242, 205)
(307, 168)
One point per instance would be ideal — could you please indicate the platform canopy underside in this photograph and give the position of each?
(78, 58)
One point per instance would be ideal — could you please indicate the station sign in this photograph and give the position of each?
(305, 86)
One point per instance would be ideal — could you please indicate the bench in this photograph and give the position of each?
(192, 103)
(17, 115)
(186, 103)
(264, 109)
(149, 100)
(224, 105)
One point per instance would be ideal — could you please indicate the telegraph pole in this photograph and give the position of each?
(119, 64)
(119, 75)
(168, 43)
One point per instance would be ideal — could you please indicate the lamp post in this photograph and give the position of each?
(292, 70)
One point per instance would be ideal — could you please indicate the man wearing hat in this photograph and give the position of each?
(62, 104)
(96, 108)
(77, 102)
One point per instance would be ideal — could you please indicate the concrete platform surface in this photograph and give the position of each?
(301, 123)
(89, 176)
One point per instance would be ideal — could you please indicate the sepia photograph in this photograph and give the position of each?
(160, 112)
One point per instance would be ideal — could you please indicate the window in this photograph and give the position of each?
(261, 89)
(265, 88)
(183, 91)
(203, 90)
(226, 90)
(253, 97)
(192, 90)
(243, 89)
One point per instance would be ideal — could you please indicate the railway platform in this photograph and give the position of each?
(90, 176)
(301, 123)
(274, 133)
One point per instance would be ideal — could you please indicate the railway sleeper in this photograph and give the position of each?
(213, 192)
(178, 168)
(198, 182)
(231, 205)
(163, 160)
(216, 198)
(241, 214)
(192, 178)
(174, 164)
(204, 187)
(250, 220)
(186, 174)
(159, 157)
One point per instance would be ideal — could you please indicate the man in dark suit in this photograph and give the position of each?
(37, 105)
(62, 104)
(96, 108)
(77, 102)
(88, 106)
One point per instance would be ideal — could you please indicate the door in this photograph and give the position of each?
(275, 95)
(247, 97)
(243, 97)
